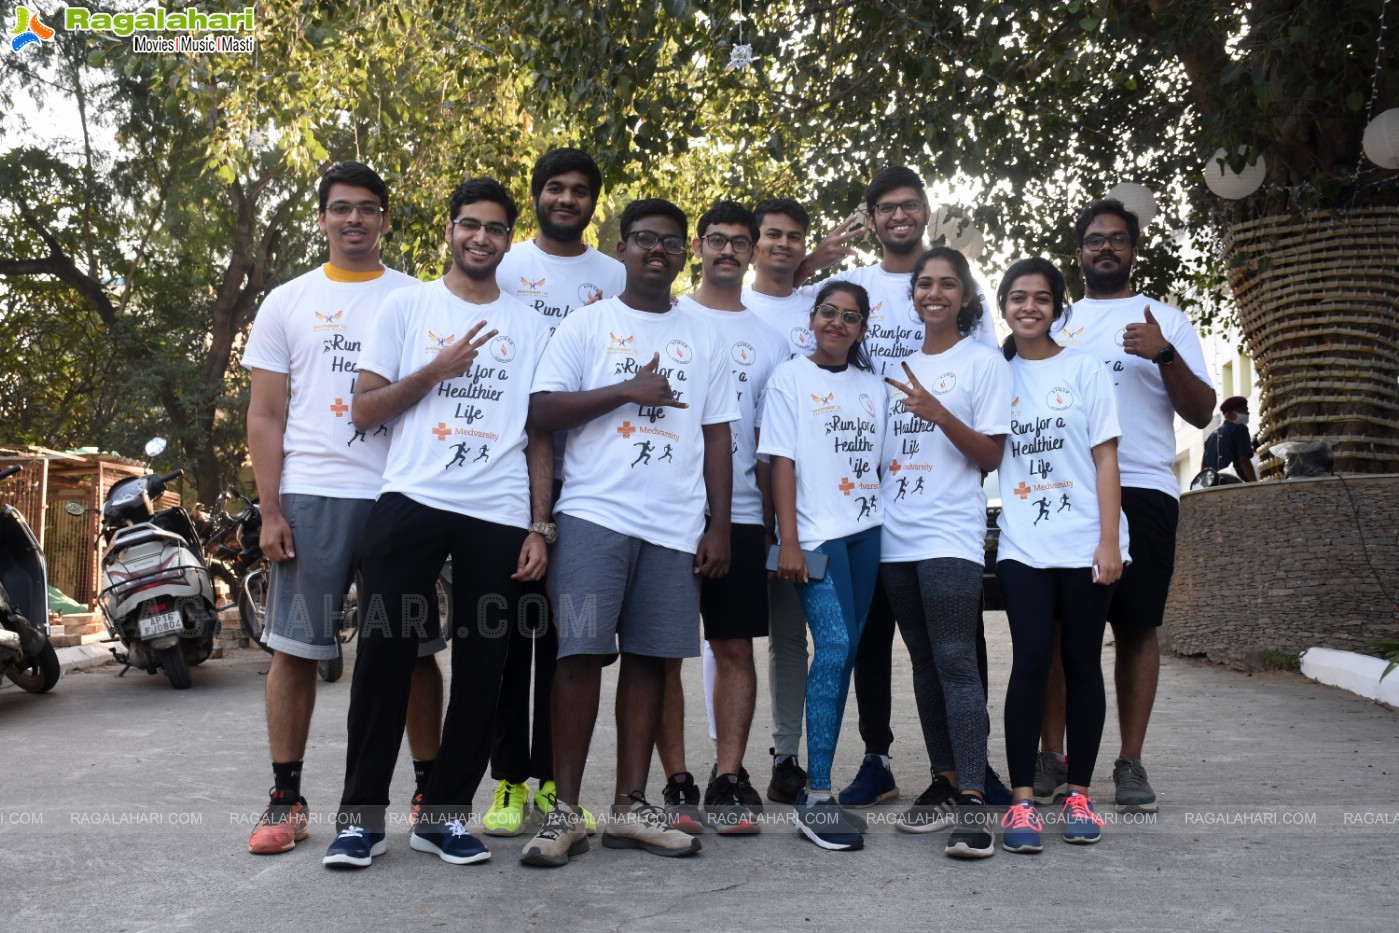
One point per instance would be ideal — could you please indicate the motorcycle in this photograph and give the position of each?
(231, 549)
(27, 657)
(157, 597)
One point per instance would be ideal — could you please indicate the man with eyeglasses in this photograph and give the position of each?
(734, 607)
(1153, 355)
(317, 477)
(632, 543)
(554, 273)
(448, 359)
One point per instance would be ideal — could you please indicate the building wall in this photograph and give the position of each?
(1285, 566)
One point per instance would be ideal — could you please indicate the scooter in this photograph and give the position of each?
(157, 597)
(27, 657)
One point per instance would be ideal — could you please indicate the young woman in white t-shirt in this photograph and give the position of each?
(823, 427)
(1062, 546)
(949, 418)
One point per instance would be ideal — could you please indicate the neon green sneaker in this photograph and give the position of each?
(545, 799)
(506, 817)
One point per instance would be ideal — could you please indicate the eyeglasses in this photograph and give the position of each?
(646, 239)
(343, 209)
(471, 226)
(1096, 241)
(717, 242)
(887, 208)
(831, 312)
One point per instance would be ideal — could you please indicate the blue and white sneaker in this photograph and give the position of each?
(450, 842)
(1021, 828)
(824, 823)
(1082, 824)
(873, 783)
(355, 847)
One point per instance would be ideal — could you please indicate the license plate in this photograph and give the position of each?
(161, 624)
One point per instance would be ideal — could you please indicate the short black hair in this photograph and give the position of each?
(728, 212)
(969, 315)
(898, 176)
(483, 189)
(647, 207)
(1108, 206)
(560, 161)
(788, 206)
(857, 356)
(352, 173)
(1033, 265)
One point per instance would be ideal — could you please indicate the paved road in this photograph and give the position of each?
(126, 805)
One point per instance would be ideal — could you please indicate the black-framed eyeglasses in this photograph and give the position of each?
(717, 242)
(471, 226)
(646, 239)
(343, 209)
(829, 312)
(887, 208)
(1118, 241)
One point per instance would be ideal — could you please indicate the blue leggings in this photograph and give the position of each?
(835, 610)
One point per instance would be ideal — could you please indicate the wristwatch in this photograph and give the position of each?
(547, 530)
(1166, 357)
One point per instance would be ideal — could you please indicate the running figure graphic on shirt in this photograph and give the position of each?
(485, 454)
(1064, 503)
(359, 436)
(903, 489)
(867, 506)
(1044, 510)
(460, 458)
(668, 454)
(645, 455)
(383, 429)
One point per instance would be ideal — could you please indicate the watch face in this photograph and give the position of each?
(1166, 356)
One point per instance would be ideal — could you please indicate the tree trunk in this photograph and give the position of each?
(1318, 299)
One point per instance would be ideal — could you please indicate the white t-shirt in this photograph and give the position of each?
(1147, 452)
(755, 349)
(831, 425)
(895, 330)
(310, 330)
(788, 316)
(1062, 408)
(557, 285)
(461, 447)
(933, 502)
(639, 469)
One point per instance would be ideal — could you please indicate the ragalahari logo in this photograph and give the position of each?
(29, 29)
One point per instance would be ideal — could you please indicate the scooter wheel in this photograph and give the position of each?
(172, 660)
(40, 676)
(332, 668)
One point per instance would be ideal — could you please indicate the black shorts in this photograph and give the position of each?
(1140, 598)
(736, 604)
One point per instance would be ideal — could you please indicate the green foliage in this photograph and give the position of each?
(1389, 651)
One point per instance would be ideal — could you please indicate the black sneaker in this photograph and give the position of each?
(827, 825)
(747, 792)
(725, 810)
(934, 809)
(973, 837)
(788, 778)
(682, 799)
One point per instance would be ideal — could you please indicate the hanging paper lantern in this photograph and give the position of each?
(952, 227)
(1381, 139)
(1136, 198)
(975, 244)
(1231, 185)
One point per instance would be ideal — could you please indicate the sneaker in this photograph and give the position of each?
(747, 792)
(826, 824)
(1082, 824)
(725, 810)
(873, 783)
(507, 813)
(284, 823)
(415, 810)
(973, 837)
(1134, 794)
(562, 837)
(682, 799)
(933, 810)
(546, 798)
(1051, 777)
(1022, 827)
(449, 842)
(355, 847)
(788, 778)
(647, 827)
(997, 794)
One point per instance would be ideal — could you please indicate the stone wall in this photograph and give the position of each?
(1286, 565)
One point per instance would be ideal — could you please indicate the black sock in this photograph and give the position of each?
(421, 771)
(286, 778)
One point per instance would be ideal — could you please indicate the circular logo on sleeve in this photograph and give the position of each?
(943, 384)
(1059, 399)
(743, 353)
(679, 351)
(502, 348)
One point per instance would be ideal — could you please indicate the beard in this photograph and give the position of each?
(563, 233)
(902, 249)
(1107, 280)
(478, 274)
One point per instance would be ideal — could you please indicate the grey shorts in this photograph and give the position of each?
(306, 594)
(612, 592)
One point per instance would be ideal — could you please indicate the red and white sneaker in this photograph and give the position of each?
(284, 823)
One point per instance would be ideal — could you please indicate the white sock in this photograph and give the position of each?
(884, 760)
(817, 796)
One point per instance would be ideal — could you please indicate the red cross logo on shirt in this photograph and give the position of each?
(442, 431)
(626, 430)
(1022, 491)
(340, 408)
(895, 467)
(845, 485)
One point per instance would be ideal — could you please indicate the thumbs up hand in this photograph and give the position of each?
(1145, 339)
